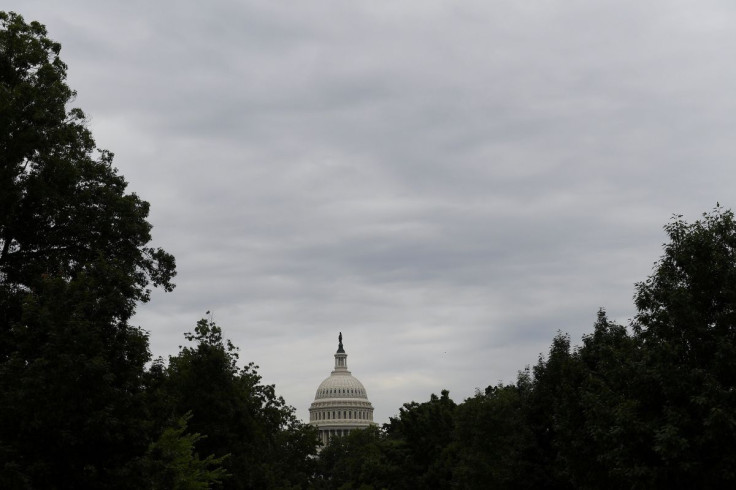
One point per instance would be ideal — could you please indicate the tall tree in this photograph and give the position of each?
(423, 434)
(171, 462)
(64, 209)
(491, 437)
(552, 390)
(601, 441)
(74, 262)
(238, 415)
(687, 323)
(361, 459)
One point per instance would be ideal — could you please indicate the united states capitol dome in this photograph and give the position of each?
(341, 384)
(341, 402)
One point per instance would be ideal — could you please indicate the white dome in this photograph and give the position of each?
(341, 402)
(341, 385)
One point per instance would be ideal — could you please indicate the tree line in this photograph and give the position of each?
(83, 404)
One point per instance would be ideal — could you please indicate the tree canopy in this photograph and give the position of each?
(65, 210)
(74, 262)
(648, 406)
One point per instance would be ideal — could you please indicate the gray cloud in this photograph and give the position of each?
(449, 184)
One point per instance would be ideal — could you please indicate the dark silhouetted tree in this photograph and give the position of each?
(74, 262)
(267, 446)
(687, 324)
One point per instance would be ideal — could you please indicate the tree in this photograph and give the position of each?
(358, 460)
(240, 417)
(72, 406)
(74, 262)
(490, 437)
(171, 462)
(650, 407)
(64, 207)
(602, 443)
(552, 391)
(687, 323)
(414, 450)
(423, 434)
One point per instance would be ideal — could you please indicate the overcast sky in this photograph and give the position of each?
(447, 183)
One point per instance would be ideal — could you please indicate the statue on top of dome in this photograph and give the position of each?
(339, 340)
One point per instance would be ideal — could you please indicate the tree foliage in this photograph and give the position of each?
(362, 459)
(78, 408)
(267, 447)
(171, 462)
(491, 440)
(65, 210)
(74, 261)
(649, 406)
(687, 324)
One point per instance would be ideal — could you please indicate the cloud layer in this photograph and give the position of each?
(447, 183)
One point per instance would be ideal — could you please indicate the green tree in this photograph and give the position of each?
(171, 462)
(552, 390)
(72, 407)
(359, 460)
(267, 446)
(413, 450)
(490, 437)
(64, 207)
(687, 323)
(422, 435)
(654, 408)
(74, 262)
(601, 441)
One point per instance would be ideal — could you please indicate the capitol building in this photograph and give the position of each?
(341, 402)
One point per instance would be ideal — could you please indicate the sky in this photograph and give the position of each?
(447, 183)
